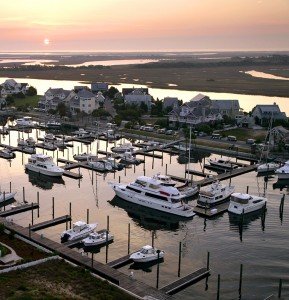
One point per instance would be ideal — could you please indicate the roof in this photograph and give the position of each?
(85, 94)
(199, 97)
(225, 104)
(147, 247)
(268, 107)
(79, 223)
(170, 101)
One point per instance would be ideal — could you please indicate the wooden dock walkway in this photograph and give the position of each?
(120, 262)
(198, 173)
(134, 286)
(183, 282)
(213, 211)
(18, 209)
(50, 223)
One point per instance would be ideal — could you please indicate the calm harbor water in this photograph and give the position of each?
(263, 250)
(247, 102)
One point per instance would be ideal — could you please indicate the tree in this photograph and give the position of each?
(61, 109)
(31, 91)
(111, 92)
(20, 95)
(9, 100)
(143, 107)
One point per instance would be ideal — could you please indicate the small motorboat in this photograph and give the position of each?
(28, 142)
(145, 254)
(6, 196)
(123, 148)
(222, 163)
(244, 203)
(283, 172)
(53, 124)
(100, 165)
(28, 149)
(79, 230)
(115, 165)
(7, 153)
(165, 179)
(267, 167)
(82, 134)
(49, 137)
(97, 238)
(128, 158)
(49, 146)
(84, 156)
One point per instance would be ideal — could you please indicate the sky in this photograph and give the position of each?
(147, 25)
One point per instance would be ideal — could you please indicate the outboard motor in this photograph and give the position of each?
(65, 238)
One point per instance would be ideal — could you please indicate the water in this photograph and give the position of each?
(262, 251)
(115, 62)
(247, 102)
(265, 75)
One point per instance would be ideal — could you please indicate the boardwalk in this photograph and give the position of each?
(50, 223)
(136, 287)
(18, 209)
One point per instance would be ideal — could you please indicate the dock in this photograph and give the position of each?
(120, 262)
(18, 209)
(184, 282)
(208, 213)
(198, 173)
(139, 289)
(50, 223)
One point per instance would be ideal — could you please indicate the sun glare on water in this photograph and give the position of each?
(46, 41)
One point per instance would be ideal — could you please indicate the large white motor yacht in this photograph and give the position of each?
(267, 167)
(222, 163)
(146, 254)
(97, 239)
(245, 203)
(283, 172)
(126, 147)
(214, 194)
(43, 164)
(151, 193)
(79, 230)
(25, 122)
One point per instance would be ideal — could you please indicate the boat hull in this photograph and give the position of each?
(44, 172)
(8, 196)
(138, 199)
(238, 210)
(143, 259)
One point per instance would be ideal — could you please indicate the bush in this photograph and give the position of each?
(31, 91)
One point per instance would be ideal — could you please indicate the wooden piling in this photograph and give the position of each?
(158, 269)
(208, 261)
(32, 215)
(87, 216)
(240, 281)
(218, 287)
(52, 207)
(180, 259)
(23, 193)
(280, 289)
(38, 204)
(70, 210)
(128, 239)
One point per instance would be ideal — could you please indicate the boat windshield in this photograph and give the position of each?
(140, 182)
(240, 200)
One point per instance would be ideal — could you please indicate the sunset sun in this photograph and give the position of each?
(46, 41)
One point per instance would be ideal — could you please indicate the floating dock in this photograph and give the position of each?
(120, 262)
(184, 282)
(50, 223)
(18, 209)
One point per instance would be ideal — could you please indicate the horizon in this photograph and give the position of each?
(118, 26)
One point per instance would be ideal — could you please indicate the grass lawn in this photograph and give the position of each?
(27, 101)
(56, 280)
(242, 134)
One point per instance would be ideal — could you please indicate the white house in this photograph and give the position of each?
(137, 96)
(11, 87)
(85, 101)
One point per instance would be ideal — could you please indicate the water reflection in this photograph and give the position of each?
(281, 184)
(42, 181)
(146, 267)
(147, 218)
(194, 157)
(236, 220)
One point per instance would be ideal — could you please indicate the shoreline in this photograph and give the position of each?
(207, 79)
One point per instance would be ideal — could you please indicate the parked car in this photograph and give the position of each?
(169, 132)
(250, 141)
(161, 131)
(231, 138)
(216, 136)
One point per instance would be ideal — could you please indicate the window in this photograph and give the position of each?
(133, 189)
(140, 182)
(153, 186)
(156, 196)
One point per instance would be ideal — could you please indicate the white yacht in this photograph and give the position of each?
(166, 180)
(111, 135)
(100, 165)
(214, 194)
(222, 163)
(267, 167)
(25, 122)
(7, 153)
(43, 164)
(97, 238)
(84, 156)
(115, 165)
(126, 147)
(49, 145)
(6, 196)
(283, 172)
(49, 137)
(79, 230)
(53, 124)
(146, 254)
(129, 158)
(151, 193)
(245, 203)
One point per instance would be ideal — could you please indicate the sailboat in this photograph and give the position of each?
(267, 167)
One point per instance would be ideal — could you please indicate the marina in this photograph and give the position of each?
(91, 192)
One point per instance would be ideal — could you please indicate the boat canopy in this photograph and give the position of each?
(240, 198)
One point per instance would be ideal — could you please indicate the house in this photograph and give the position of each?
(99, 87)
(230, 108)
(170, 102)
(264, 112)
(84, 101)
(197, 111)
(244, 121)
(52, 97)
(138, 96)
(11, 87)
(127, 91)
(100, 98)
